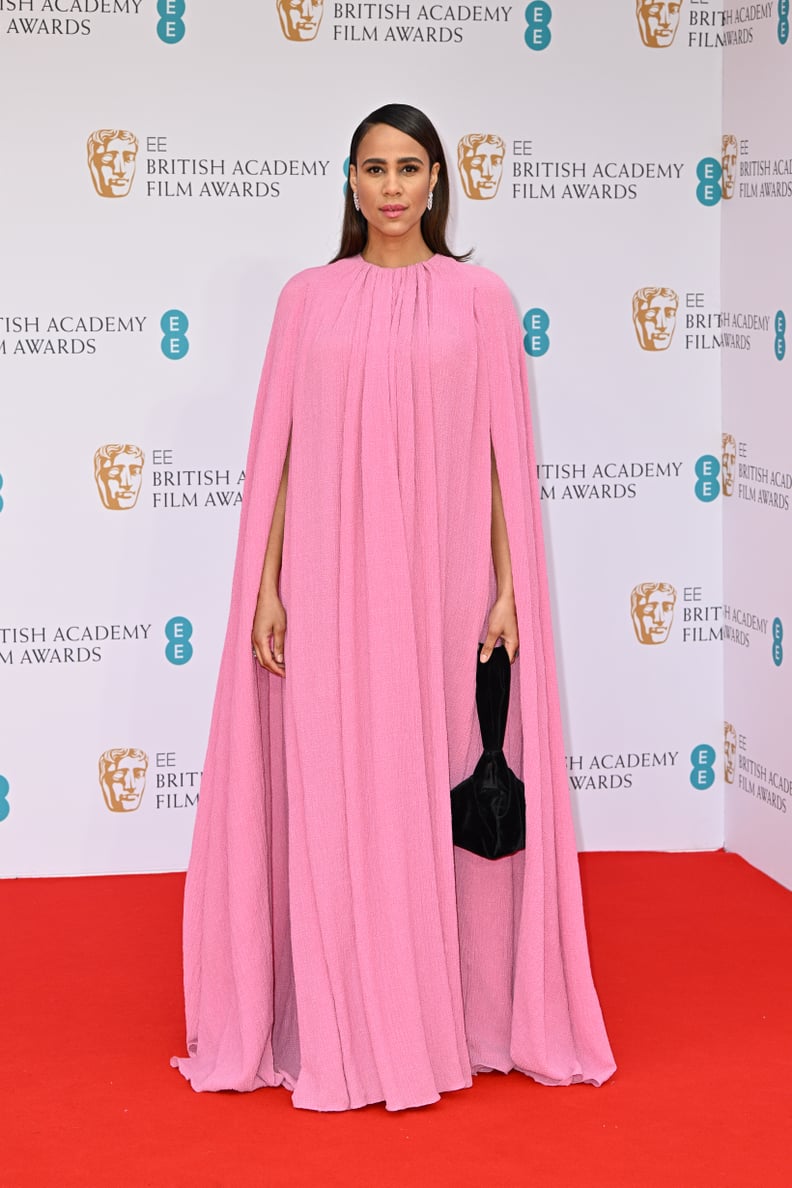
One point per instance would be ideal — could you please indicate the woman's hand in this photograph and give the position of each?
(269, 624)
(502, 624)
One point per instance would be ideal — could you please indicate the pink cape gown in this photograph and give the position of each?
(335, 941)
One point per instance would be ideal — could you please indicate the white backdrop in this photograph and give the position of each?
(598, 190)
(757, 288)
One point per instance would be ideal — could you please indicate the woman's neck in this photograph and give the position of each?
(395, 253)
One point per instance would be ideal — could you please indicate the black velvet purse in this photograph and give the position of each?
(488, 808)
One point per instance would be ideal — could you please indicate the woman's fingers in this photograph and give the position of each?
(488, 645)
(270, 657)
(278, 637)
(510, 642)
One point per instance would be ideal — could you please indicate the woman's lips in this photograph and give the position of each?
(392, 212)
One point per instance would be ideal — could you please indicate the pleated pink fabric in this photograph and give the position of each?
(335, 942)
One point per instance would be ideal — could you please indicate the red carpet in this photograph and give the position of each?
(692, 957)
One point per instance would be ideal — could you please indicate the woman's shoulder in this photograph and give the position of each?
(320, 278)
(476, 277)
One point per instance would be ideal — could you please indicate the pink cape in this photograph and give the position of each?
(335, 941)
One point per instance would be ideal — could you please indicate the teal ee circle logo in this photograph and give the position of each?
(1, 492)
(174, 325)
(708, 190)
(178, 632)
(783, 21)
(5, 807)
(779, 345)
(778, 642)
(170, 26)
(538, 16)
(702, 771)
(536, 323)
(346, 175)
(707, 470)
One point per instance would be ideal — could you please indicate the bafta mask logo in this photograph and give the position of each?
(300, 19)
(728, 464)
(652, 611)
(729, 752)
(118, 470)
(112, 154)
(654, 313)
(728, 166)
(480, 159)
(122, 778)
(657, 21)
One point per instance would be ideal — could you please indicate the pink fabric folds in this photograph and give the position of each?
(335, 942)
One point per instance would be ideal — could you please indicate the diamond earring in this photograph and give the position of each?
(355, 200)
(430, 200)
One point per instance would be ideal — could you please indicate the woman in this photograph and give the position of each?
(335, 942)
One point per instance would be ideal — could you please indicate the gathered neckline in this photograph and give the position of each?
(398, 267)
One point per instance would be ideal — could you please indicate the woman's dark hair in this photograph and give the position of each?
(413, 123)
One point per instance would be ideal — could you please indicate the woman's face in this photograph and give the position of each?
(393, 180)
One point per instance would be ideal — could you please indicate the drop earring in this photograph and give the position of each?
(430, 200)
(355, 200)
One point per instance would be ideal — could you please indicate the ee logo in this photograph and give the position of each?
(702, 773)
(778, 642)
(178, 632)
(536, 323)
(170, 26)
(5, 807)
(780, 335)
(1, 496)
(174, 325)
(783, 21)
(708, 190)
(707, 486)
(538, 16)
(346, 175)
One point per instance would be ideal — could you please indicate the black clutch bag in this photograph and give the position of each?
(488, 808)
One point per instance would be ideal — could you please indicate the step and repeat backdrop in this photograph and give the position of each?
(757, 450)
(167, 167)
